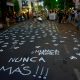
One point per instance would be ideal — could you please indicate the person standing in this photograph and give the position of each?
(60, 16)
(78, 20)
(7, 20)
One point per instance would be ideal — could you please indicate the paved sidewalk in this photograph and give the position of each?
(73, 23)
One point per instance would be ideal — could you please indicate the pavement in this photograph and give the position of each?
(40, 51)
(73, 23)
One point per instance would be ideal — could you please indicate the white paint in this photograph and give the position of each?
(78, 45)
(21, 36)
(75, 41)
(43, 31)
(57, 52)
(39, 77)
(37, 34)
(42, 71)
(64, 37)
(42, 74)
(36, 71)
(16, 48)
(1, 36)
(47, 43)
(21, 43)
(66, 32)
(45, 35)
(17, 70)
(33, 59)
(14, 42)
(31, 41)
(47, 52)
(73, 57)
(69, 31)
(4, 46)
(33, 38)
(27, 59)
(46, 73)
(61, 41)
(1, 41)
(13, 38)
(6, 38)
(78, 54)
(39, 37)
(32, 52)
(53, 40)
(37, 46)
(1, 50)
(75, 48)
(16, 32)
(72, 35)
(6, 43)
(23, 33)
(55, 44)
(51, 34)
(56, 34)
(54, 37)
(23, 65)
(74, 38)
(42, 59)
(54, 30)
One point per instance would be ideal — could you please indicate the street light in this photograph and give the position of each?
(56, 0)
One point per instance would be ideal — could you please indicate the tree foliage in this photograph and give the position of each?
(3, 8)
(50, 4)
(16, 6)
(40, 8)
(69, 3)
(61, 4)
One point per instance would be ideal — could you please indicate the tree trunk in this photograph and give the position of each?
(3, 11)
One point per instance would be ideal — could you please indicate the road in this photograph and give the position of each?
(40, 51)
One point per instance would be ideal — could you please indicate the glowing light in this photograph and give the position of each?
(56, 0)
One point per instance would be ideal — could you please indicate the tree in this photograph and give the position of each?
(61, 4)
(3, 8)
(16, 6)
(65, 4)
(50, 4)
(69, 4)
(40, 8)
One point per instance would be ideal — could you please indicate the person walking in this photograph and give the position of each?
(8, 20)
(78, 20)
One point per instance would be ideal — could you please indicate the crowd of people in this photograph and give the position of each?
(16, 18)
(65, 16)
(60, 16)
